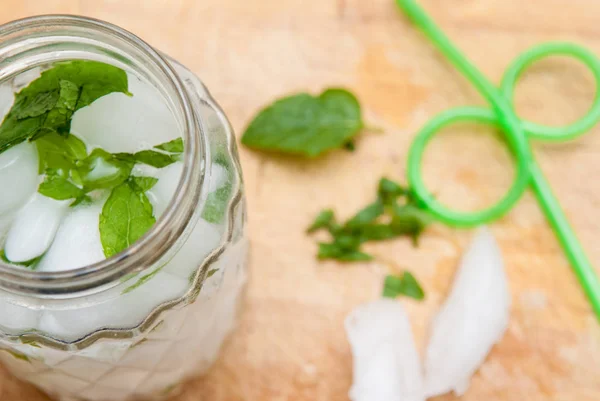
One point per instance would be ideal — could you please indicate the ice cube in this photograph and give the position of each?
(18, 176)
(25, 78)
(218, 177)
(203, 239)
(121, 123)
(125, 311)
(17, 317)
(77, 242)
(161, 194)
(34, 228)
(386, 365)
(473, 318)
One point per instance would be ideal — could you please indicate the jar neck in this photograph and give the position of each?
(40, 41)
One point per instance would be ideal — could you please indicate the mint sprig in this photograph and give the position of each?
(395, 213)
(42, 112)
(47, 104)
(405, 285)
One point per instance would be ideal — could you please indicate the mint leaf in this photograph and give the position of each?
(409, 220)
(142, 280)
(57, 186)
(216, 204)
(154, 159)
(323, 220)
(174, 146)
(394, 214)
(217, 201)
(103, 170)
(336, 251)
(36, 105)
(59, 152)
(126, 216)
(59, 118)
(306, 125)
(144, 183)
(406, 285)
(81, 200)
(389, 191)
(93, 79)
(47, 104)
(366, 215)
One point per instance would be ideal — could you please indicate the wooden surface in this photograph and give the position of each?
(290, 345)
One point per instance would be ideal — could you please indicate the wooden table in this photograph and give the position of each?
(290, 345)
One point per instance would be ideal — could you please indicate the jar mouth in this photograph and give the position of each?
(28, 34)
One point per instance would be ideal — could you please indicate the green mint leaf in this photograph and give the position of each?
(59, 152)
(406, 285)
(216, 204)
(174, 146)
(103, 170)
(409, 220)
(144, 183)
(93, 79)
(389, 191)
(59, 118)
(342, 251)
(13, 131)
(354, 256)
(323, 220)
(218, 201)
(154, 159)
(377, 232)
(47, 104)
(57, 186)
(36, 105)
(142, 280)
(126, 216)
(81, 200)
(306, 125)
(366, 215)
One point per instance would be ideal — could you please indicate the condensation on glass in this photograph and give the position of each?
(136, 325)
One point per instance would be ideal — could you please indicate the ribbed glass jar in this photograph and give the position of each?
(137, 324)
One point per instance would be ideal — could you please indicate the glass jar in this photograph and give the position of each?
(137, 324)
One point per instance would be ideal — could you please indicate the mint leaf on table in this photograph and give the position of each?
(393, 214)
(306, 125)
(126, 216)
(47, 104)
(324, 219)
(57, 186)
(367, 215)
(406, 285)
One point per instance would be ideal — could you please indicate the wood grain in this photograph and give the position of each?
(290, 345)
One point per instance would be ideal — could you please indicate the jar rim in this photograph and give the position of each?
(149, 249)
